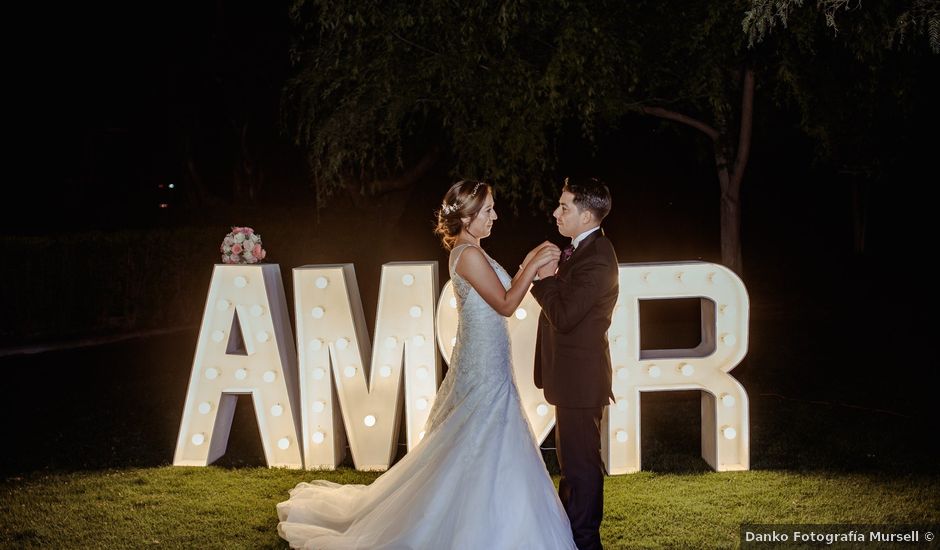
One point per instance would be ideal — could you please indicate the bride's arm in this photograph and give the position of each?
(476, 270)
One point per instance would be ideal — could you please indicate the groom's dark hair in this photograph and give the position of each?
(590, 193)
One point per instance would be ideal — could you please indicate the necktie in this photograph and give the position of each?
(566, 253)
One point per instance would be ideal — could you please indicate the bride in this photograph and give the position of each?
(477, 479)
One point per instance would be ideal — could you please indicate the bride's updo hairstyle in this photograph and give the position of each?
(464, 199)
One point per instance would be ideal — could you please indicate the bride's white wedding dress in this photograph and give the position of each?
(476, 480)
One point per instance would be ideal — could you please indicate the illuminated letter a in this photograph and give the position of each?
(245, 347)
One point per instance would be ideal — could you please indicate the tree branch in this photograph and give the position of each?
(684, 119)
(409, 177)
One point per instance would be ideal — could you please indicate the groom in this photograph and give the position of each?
(572, 358)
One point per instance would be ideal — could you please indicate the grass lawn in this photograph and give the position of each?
(235, 508)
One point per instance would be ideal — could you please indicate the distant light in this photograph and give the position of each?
(283, 443)
(422, 373)
(542, 409)
(621, 403)
(453, 303)
(391, 342)
(369, 420)
(420, 436)
(408, 279)
(729, 432)
(212, 373)
(316, 344)
(241, 374)
(164, 205)
(349, 372)
(654, 371)
(318, 437)
(415, 311)
(421, 403)
(241, 281)
(262, 336)
(269, 376)
(687, 369)
(418, 340)
(621, 436)
(727, 400)
(198, 439)
(205, 407)
(623, 373)
(318, 406)
(342, 343)
(318, 373)
(521, 314)
(218, 335)
(172, 186)
(277, 410)
(257, 311)
(317, 312)
(322, 282)
(385, 371)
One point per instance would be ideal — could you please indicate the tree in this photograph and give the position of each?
(496, 85)
(377, 82)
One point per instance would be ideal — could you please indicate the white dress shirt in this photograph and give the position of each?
(577, 240)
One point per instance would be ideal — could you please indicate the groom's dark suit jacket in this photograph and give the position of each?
(572, 357)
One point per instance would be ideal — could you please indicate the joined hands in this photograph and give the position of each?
(544, 258)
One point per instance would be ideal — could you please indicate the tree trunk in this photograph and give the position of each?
(729, 178)
(730, 219)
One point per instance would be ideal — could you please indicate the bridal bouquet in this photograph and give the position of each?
(242, 246)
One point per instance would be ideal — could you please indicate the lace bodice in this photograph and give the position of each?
(481, 361)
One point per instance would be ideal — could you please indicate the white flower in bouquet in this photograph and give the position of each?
(239, 238)
(249, 258)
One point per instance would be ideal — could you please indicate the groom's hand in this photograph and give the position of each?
(548, 269)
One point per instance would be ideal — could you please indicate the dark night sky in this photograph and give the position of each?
(111, 94)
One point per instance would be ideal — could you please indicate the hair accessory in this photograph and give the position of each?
(451, 208)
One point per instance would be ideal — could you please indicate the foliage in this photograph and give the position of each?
(903, 21)
(495, 82)
(847, 76)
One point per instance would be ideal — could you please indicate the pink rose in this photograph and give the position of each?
(236, 248)
(247, 231)
(263, 254)
(257, 251)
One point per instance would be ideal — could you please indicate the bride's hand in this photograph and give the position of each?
(532, 253)
(546, 255)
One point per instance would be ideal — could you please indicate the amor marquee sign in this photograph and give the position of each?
(333, 385)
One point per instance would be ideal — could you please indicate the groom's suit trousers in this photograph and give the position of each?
(581, 489)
